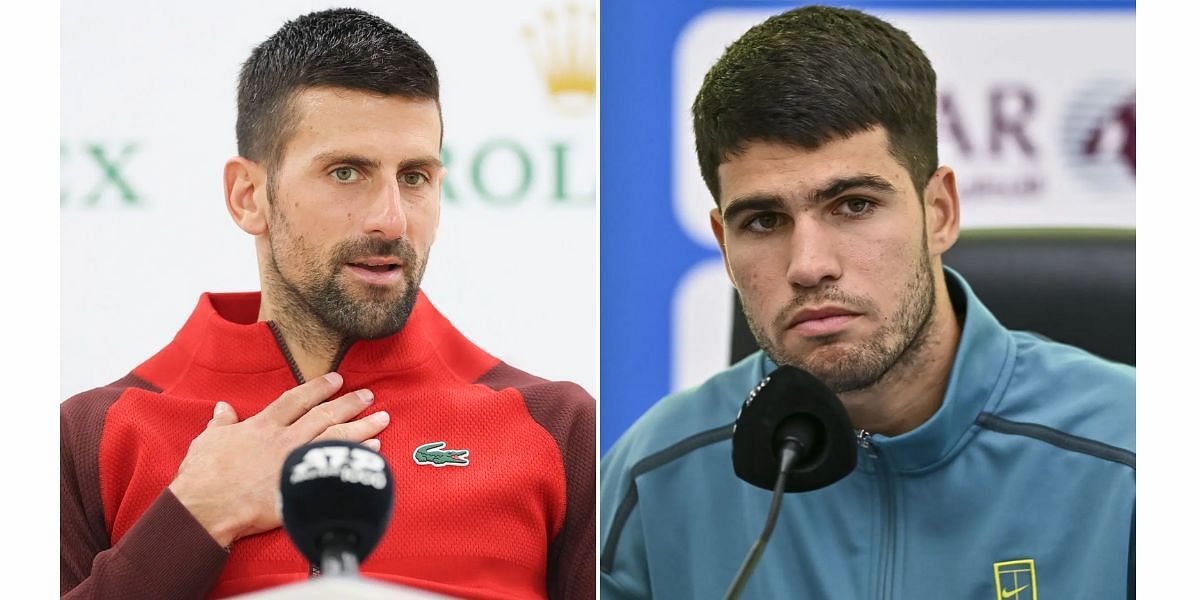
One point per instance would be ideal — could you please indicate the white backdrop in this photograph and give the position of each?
(148, 111)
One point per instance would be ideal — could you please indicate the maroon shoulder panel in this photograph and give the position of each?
(166, 554)
(568, 414)
(82, 532)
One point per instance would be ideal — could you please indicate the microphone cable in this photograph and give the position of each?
(787, 455)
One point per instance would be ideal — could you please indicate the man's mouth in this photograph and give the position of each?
(377, 270)
(821, 321)
(378, 264)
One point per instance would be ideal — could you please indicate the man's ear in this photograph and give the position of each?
(718, 229)
(246, 195)
(941, 210)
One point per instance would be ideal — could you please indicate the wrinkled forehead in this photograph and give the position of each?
(386, 127)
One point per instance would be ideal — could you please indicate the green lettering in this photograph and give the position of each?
(447, 189)
(560, 177)
(481, 158)
(111, 172)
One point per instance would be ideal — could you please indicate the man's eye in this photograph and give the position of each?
(414, 178)
(857, 207)
(763, 223)
(345, 174)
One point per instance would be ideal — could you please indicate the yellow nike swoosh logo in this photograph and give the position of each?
(1010, 593)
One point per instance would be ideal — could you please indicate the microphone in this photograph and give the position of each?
(336, 501)
(792, 434)
(793, 405)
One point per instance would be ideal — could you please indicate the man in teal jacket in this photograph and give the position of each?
(993, 463)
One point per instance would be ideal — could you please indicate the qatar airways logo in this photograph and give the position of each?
(351, 465)
(1099, 134)
(1007, 140)
(991, 135)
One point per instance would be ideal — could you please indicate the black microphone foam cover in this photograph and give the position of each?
(792, 403)
(335, 492)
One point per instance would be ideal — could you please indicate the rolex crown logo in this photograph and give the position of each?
(563, 45)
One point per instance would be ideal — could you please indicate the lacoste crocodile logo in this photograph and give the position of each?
(432, 454)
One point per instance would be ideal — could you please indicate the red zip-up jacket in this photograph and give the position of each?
(516, 522)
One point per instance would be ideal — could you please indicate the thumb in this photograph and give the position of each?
(223, 414)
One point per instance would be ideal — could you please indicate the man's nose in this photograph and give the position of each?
(813, 254)
(387, 217)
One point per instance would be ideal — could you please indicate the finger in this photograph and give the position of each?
(297, 401)
(223, 414)
(357, 431)
(372, 443)
(335, 412)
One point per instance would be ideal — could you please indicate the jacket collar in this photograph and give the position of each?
(223, 334)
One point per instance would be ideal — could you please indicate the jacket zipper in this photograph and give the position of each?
(291, 361)
(287, 353)
(313, 570)
(888, 549)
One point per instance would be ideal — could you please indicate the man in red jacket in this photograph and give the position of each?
(169, 475)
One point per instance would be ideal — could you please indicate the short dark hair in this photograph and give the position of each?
(343, 47)
(812, 74)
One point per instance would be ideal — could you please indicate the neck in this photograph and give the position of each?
(912, 390)
(312, 345)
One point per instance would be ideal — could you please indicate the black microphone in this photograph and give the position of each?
(336, 501)
(792, 434)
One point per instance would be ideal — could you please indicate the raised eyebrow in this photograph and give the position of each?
(751, 203)
(839, 186)
(424, 162)
(353, 160)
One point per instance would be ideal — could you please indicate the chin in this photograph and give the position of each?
(373, 293)
(827, 358)
(374, 334)
(824, 359)
(372, 324)
(830, 347)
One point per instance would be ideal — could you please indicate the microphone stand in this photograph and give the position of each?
(337, 563)
(787, 455)
(337, 558)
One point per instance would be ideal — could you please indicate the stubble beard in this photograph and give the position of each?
(316, 304)
(864, 364)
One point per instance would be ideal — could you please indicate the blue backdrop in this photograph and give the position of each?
(643, 249)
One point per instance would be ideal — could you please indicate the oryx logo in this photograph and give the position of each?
(432, 454)
(351, 465)
(1015, 580)
(1099, 132)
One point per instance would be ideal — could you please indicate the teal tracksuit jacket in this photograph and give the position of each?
(1021, 486)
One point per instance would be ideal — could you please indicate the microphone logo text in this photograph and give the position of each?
(351, 465)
